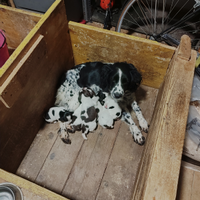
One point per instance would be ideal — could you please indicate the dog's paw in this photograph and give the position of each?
(144, 125)
(139, 140)
(137, 135)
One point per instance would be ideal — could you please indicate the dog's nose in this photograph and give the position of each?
(118, 95)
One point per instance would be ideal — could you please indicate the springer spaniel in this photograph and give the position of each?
(120, 80)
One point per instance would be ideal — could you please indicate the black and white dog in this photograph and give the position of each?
(120, 80)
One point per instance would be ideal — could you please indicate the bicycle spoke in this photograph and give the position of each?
(171, 11)
(134, 23)
(144, 15)
(178, 11)
(185, 26)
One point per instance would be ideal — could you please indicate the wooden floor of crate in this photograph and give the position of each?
(103, 167)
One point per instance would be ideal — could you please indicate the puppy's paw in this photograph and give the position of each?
(144, 125)
(84, 136)
(66, 140)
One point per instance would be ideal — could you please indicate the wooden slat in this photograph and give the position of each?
(95, 44)
(20, 124)
(86, 176)
(17, 80)
(38, 152)
(28, 188)
(120, 174)
(59, 163)
(17, 24)
(160, 164)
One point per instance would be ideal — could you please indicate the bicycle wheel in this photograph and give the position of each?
(162, 20)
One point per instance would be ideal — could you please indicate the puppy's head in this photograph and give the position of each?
(55, 114)
(125, 77)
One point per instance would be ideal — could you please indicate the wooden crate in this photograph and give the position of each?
(28, 80)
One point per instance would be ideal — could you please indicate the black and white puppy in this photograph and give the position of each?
(120, 80)
(61, 115)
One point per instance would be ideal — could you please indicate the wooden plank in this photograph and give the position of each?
(195, 189)
(185, 184)
(28, 188)
(161, 160)
(86, 175)
(38, 152)
(120, 174)
(23, 120)
(14, 84)
(96, 44)
(59, 163)
(17, 24)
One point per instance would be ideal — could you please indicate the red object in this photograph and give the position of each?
(105, 4)
(4, 55)
(82, 22)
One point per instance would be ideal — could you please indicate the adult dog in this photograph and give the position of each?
(120, 80)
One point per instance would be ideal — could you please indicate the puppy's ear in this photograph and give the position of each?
(64, 116)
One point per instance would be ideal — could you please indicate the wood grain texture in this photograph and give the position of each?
(14, 84)
(189, 180)
(161, 160)
(38, 151)
(59, 163)
(86, 176)
(17, 24)
(20, 124)
(95, 44)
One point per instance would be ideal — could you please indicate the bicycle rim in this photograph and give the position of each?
(159, 20)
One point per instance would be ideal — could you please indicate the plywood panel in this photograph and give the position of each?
(17, 24)
(95, 44)
(24, 119)
(160, 165)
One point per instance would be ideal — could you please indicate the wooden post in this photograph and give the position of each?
(160, 165)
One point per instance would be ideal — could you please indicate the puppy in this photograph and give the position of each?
(108, 110)
(85, 116)
(63, 116)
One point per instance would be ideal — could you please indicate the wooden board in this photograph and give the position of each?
(96, 44)
(160, 165)
(38, 85)
(188, 186)
(106, 164)
(17, 24)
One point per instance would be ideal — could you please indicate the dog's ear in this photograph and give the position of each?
(136, 78)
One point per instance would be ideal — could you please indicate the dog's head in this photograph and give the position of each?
(125, 77)
(55, 114)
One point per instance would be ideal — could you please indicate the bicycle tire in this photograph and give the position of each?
(167, 38)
